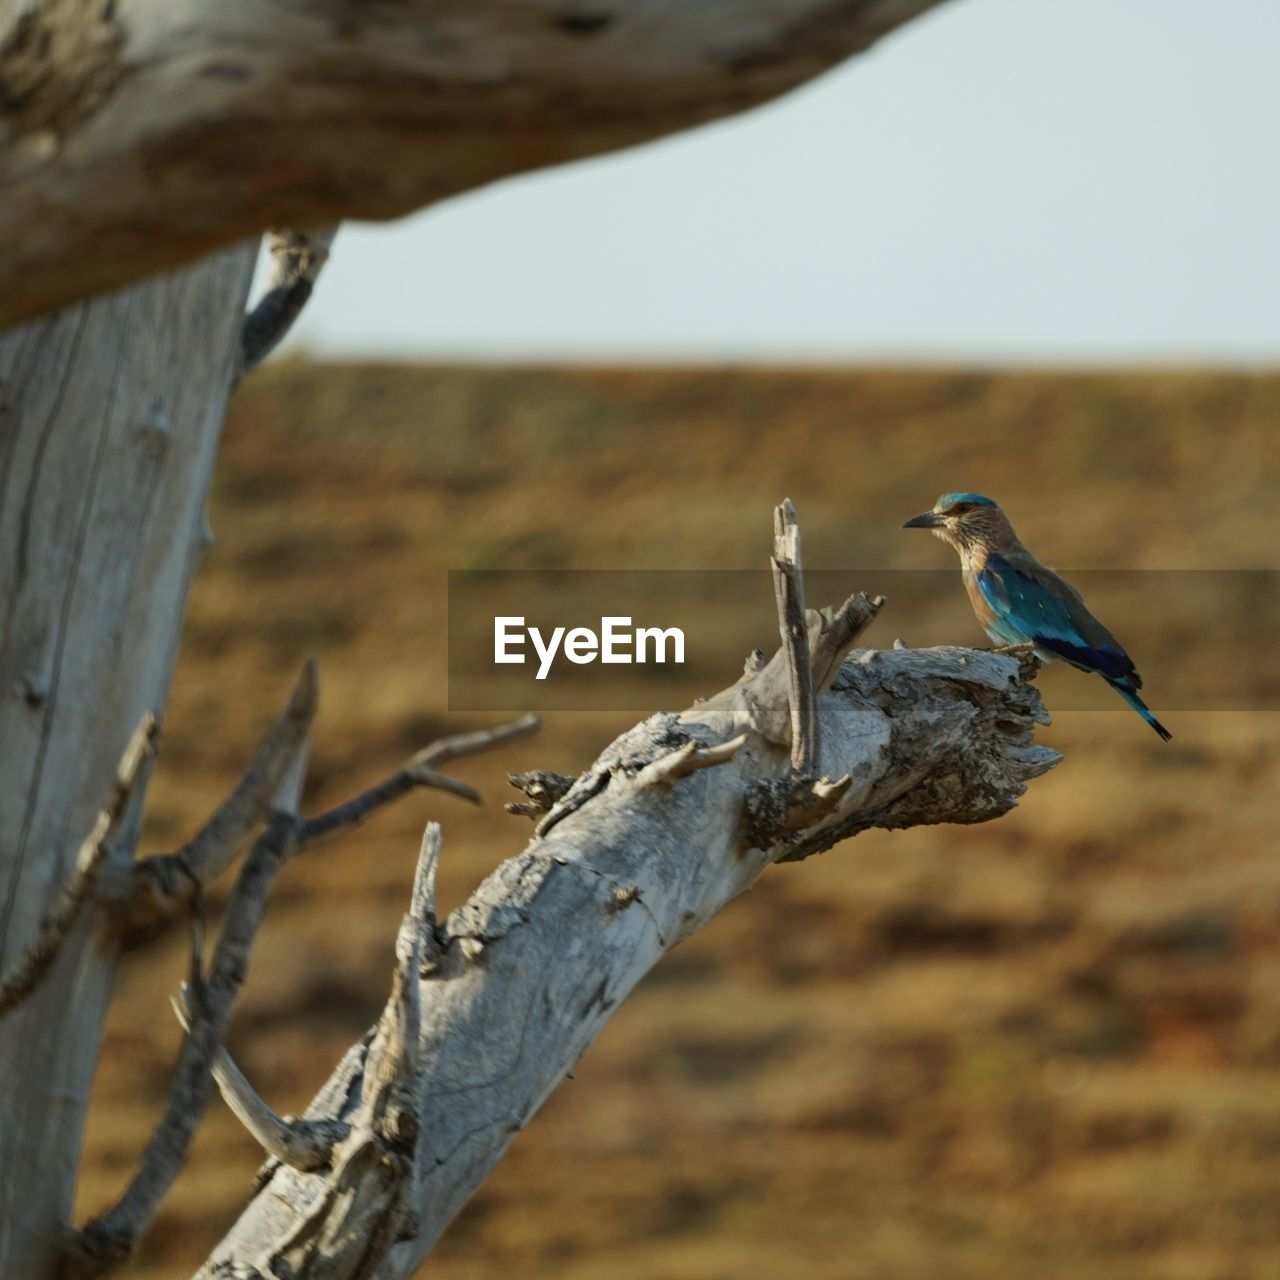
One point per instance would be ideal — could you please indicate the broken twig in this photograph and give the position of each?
(687, 759)
(542, 787)
(418, 772)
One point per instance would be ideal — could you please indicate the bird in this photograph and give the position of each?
(1019, 602)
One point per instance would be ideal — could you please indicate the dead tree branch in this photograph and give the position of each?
(131, 142)
(31, 967)
(111, 1238)
(301, 1144)
(418, 772)
(685, 760)
(675, 818)
(154, 888)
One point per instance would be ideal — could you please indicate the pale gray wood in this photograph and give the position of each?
(141, 134)
(303, 1144)
(110, 414)
(632, 859)
(788, 593)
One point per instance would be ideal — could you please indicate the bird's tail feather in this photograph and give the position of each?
(1141, 708)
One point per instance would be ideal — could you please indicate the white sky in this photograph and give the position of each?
(1003, 180)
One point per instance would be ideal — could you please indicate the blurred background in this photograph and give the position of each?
(1025, 248)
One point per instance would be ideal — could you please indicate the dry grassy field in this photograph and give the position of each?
(1046, 1046)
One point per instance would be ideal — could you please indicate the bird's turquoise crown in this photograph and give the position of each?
(949, 500)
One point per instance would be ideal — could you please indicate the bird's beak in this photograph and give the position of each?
(925, 520)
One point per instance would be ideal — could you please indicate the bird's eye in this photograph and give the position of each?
(960, 508)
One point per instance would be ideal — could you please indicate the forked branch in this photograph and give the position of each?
(155, 888)
(210, 997)
(420, 771)
(110, 1238)
(158, 886)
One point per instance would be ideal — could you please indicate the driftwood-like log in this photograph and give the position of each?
(140, 135)
(674, 820)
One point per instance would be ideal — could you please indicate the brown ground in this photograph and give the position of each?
(1048, 1046)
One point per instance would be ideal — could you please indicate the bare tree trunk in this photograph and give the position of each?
(110, 415)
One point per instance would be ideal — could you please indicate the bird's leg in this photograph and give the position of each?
(1011, 650)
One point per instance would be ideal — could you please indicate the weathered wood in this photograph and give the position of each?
(23, 977)
(112, 1236)
(110, 414)
(301, 1144)
(209, 1000)
(631, 860)
(788, 592)
(139, 135)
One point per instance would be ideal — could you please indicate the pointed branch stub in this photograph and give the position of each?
(788, 590)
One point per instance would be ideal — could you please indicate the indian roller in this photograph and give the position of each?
(1019, 602)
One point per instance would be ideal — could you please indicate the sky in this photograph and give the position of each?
(1036, 181)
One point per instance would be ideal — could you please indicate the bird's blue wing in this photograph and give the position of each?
(1040, 604)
